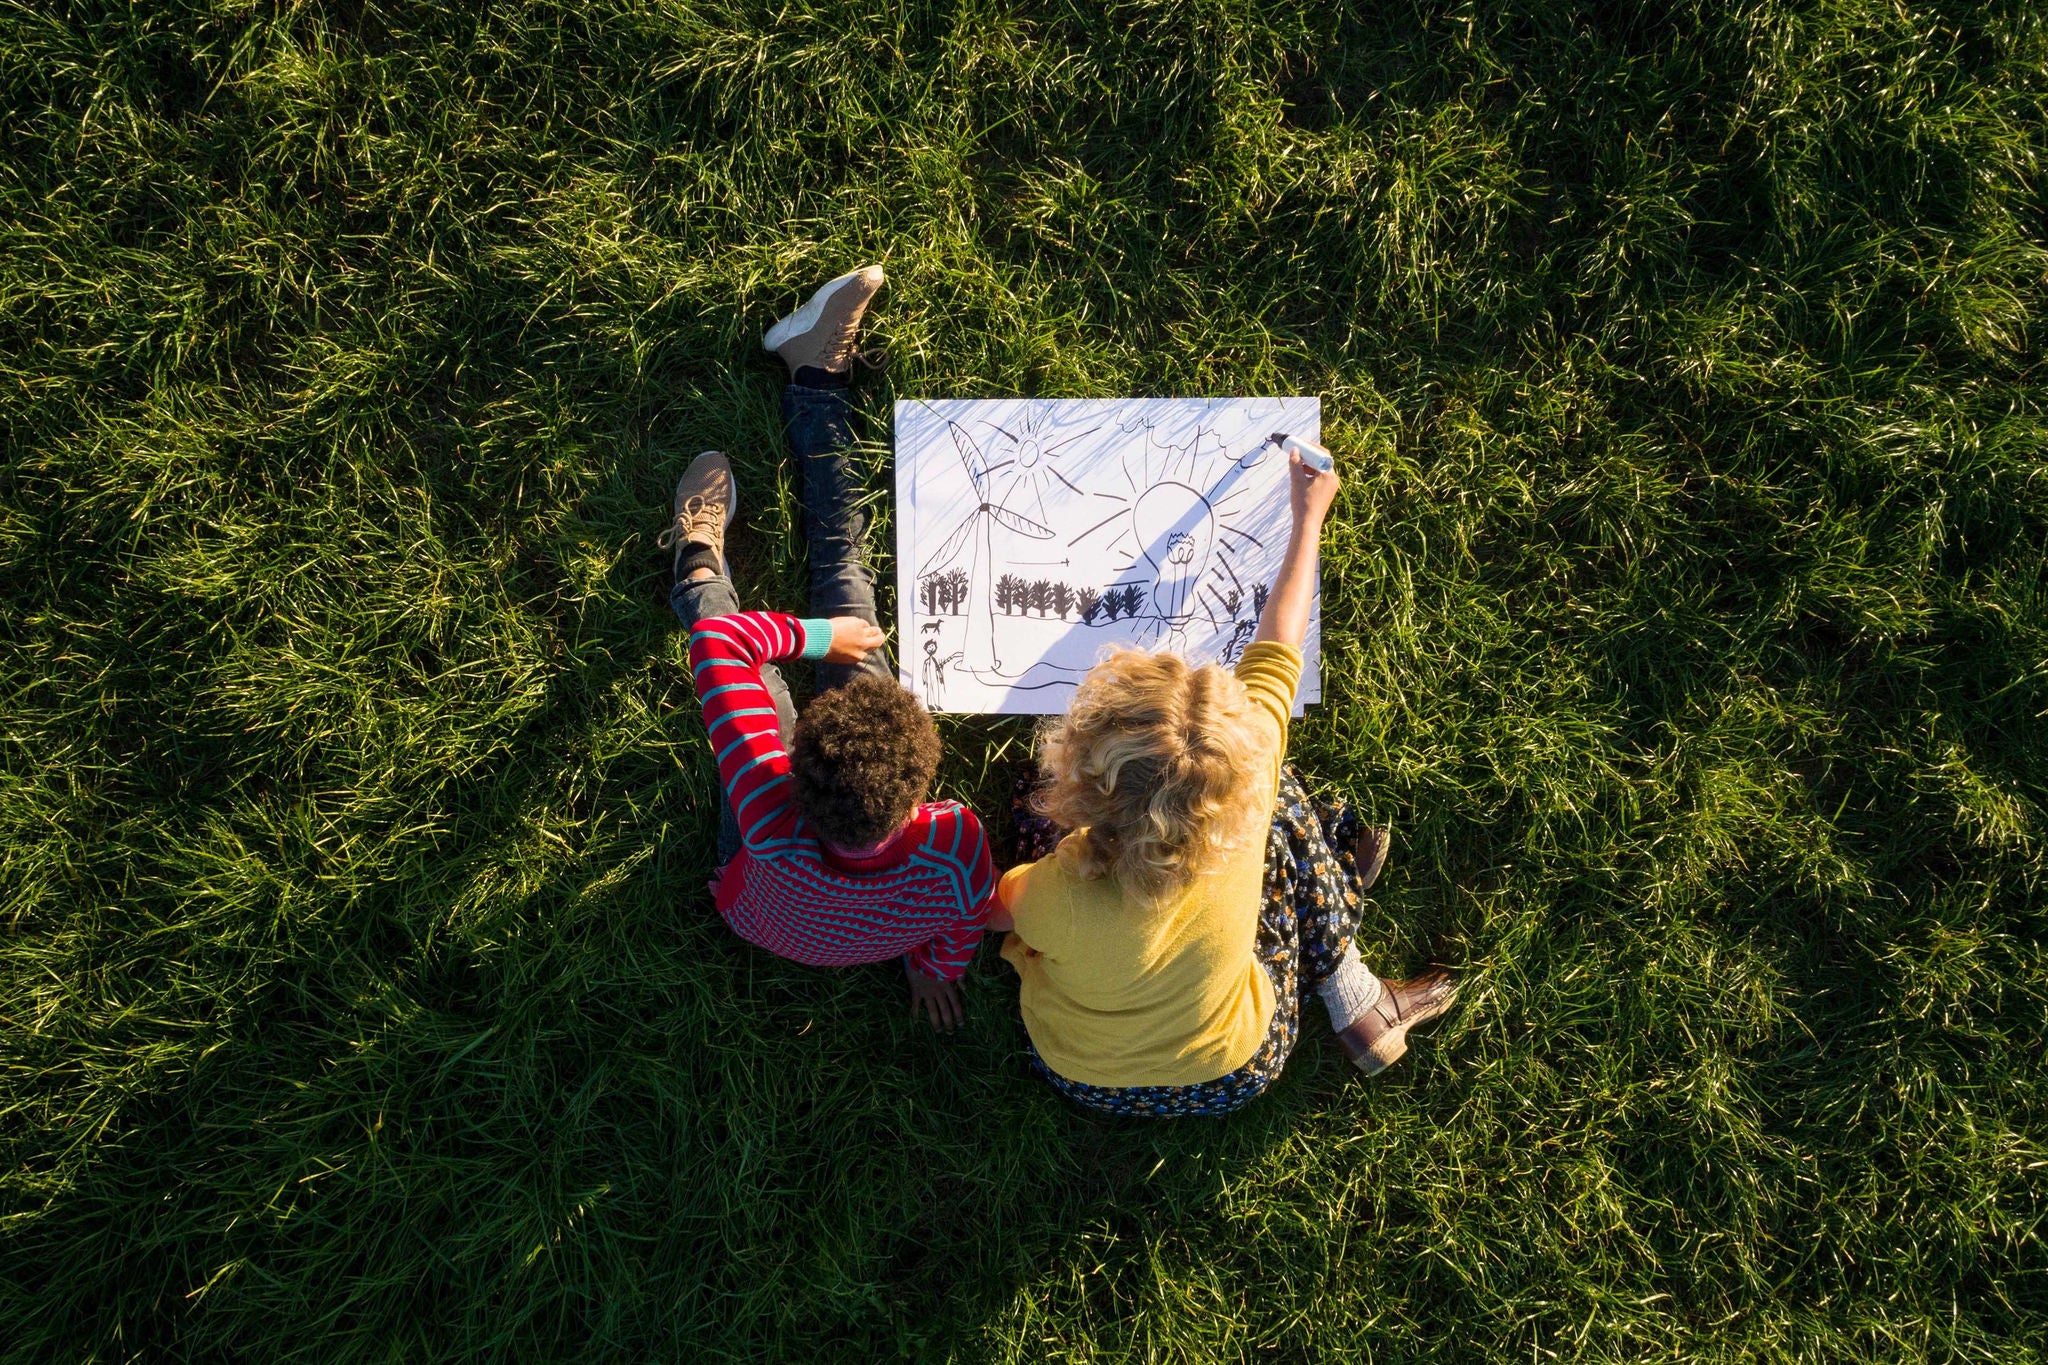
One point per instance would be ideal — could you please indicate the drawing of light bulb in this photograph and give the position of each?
(1176, 531)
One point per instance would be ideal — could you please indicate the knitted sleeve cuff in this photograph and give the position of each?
(817, 637)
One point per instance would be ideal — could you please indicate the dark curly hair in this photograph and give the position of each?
(863, 756)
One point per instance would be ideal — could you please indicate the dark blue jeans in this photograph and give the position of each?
(820, 426)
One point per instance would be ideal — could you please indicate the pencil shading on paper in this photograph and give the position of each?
(1035, 533)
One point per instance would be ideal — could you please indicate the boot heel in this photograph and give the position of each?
(1389, 1048)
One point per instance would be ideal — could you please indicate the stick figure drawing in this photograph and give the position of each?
(934, 673)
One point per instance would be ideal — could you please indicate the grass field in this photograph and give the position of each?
(360, 998)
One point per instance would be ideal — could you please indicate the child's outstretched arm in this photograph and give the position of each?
(727, 654)
(935, 967)
(1310, 493)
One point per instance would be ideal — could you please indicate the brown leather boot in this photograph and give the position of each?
(1379, 1037)
(820, 334)
(1370, 853)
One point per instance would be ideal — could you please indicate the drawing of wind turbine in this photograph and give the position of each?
(975, 531)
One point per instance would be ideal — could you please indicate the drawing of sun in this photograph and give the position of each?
(1175, 524)
(1020, 462)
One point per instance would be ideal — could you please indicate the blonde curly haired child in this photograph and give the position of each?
(1163, 945)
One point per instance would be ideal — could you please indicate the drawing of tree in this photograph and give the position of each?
(956, 591)
(1231, 600)
(1040, 597)
(1062, 599)
(1259, 591)
(1133, 599)
(1007, 589)
(1088, 603)
(929, 590)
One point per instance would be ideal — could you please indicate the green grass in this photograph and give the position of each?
(1686, 614)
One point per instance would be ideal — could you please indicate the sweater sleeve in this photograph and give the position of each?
(946, 954)
(727, 654)
(1271, 672)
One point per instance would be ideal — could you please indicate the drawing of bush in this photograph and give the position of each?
(1009, 594)
(943, 593)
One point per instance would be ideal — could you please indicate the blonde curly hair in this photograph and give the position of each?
(1160, 763)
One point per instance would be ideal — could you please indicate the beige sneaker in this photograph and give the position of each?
(820, 333)
(707, 499)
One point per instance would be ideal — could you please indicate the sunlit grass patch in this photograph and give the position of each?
(1685, 616)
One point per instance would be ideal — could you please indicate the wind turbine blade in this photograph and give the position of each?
(970, 455)
(951, 548)
(1023, 526)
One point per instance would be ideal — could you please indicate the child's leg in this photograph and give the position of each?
(1324, 890)
(819, 420)
(1325, 894)
(1371, 1017)
(699, 599)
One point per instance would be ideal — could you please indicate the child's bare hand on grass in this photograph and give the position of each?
(940, 1000)
(853, 639)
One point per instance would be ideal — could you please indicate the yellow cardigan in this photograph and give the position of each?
(1117, 993)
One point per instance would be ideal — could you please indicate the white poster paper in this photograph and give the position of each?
(1033, 533)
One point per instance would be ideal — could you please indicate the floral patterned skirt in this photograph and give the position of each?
(1307, 914)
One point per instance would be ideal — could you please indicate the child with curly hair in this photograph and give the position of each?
(1164, 944)
(829, 853)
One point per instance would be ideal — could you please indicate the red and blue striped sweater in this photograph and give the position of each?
(923, 895)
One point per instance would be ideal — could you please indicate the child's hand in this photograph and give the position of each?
(852, 639)
(939, 999)
(1310, 492)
